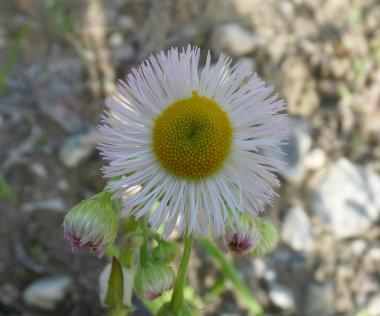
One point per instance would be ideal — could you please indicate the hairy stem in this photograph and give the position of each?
(177, 301)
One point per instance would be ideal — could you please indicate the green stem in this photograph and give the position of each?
(144, 252)
(177, 302)
(229, 272)
(127, 256)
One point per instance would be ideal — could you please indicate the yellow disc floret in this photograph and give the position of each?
(192, 137)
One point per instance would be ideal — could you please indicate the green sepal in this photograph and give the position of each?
(166, 251)
(268, 241)
(186, 310)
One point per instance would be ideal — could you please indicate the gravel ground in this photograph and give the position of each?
(323, 56)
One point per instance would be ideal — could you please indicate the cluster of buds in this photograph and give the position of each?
(252, 236)
(166, 251)
(268, 241)
(153, 279)
(92, 224)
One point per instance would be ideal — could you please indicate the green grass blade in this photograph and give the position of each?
(5, 192)
(12, 57)
(230, 273)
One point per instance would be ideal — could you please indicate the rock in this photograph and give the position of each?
(299, 143)
(371, 260)
(116, 39)
(358, 247)
(126, 23)
(281, 296)
(53, 204)
(315, 159)
(286, 9)
(123, 54)
(77, 148)
(57, 99)
(62, 184)
(320, 299)
(39, 170)
(348, 199)
(297, 230)
(299, 88)
(235, 40)
(373, 307)
(47, 292)
(9, 294)
(259, 268)
(292, 260)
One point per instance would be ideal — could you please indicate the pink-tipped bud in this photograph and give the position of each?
(154, 279)
(92, 224)
(245, 238)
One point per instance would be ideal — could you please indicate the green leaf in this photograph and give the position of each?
(12, 57)
(114, 298)
(363, 312)
(218, 288)
(5, 192)
(230, 273)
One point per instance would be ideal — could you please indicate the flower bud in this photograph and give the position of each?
(92, 224)
(245, 238)
(166, 251)
(268, 240)
(153, 279)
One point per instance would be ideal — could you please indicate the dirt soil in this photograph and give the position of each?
(323, 57)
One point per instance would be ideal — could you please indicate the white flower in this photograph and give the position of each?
(192, 141)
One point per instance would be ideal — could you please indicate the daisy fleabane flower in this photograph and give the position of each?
(194, 142)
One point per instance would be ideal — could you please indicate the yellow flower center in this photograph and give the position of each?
(192, 137)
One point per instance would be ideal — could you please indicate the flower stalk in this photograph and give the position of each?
(177, 302)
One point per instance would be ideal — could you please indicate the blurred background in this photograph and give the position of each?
(59, 60)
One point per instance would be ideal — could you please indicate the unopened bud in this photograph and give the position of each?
(268, 240)
(166, 251)
(153, 279)
(92, 224)
(245, 238)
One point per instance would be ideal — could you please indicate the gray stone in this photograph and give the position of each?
(47, 292)
(62, 184)
(281, 296)
(39, 170)
(320, 300)
(9, 294)
(299, 143)
(235, 40)
(348, 199)
(57, 99)
(126, 23)
(315, 159)
(373, 305)
(297, 230)
(116, 39)
(77, 148)
(358, 247)
(53, 204)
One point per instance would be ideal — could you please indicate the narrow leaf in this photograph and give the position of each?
(230, 273)
(114, 296)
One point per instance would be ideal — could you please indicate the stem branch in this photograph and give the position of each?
(177, 301)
